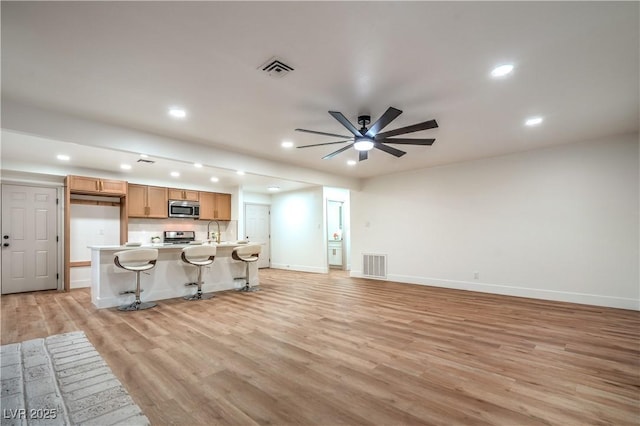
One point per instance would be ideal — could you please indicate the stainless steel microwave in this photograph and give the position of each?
(189, 209)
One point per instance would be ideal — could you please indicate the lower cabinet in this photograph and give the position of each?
(335, 253)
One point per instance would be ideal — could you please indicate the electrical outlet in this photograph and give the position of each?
(476, 275)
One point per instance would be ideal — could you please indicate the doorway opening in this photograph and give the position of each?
(335, 234)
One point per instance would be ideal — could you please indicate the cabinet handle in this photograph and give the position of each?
(97, 185)
(101, 186)
(215, 214)
(146, 211)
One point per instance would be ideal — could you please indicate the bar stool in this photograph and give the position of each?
(247, 254)
(199, 256)
(137, 260)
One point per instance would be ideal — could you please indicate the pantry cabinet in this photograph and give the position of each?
(96, 186)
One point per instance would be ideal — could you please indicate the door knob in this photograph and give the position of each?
(6, 244)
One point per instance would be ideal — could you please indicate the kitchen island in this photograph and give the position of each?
(167, 280)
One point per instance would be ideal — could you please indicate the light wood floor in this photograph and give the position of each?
(328, 350)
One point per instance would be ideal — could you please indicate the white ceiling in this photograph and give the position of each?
(126, 63)
(39, 155)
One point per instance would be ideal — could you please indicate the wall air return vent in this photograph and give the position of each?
(374, 266)
(275, 68)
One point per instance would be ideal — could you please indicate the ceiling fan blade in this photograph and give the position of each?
(363, 155)
(322, 133)
(334, 153)
(389, 150)
(346, 123)
(407, 141)
(322, 144)
(431, 124)
(389, 115)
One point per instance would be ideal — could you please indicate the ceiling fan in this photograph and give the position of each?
(365, 139)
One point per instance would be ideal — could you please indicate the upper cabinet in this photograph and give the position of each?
(215, 206)
(90, 185)
(147, 201)
(183, 194)
(223, 206)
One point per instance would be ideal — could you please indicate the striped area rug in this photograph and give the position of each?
(62, 380)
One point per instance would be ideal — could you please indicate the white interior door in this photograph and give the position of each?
(256, 228)
(29, 247)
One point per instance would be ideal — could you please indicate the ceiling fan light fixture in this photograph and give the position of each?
(363, 144)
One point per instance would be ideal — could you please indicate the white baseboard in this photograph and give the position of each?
(507, 290)
(301, 268)
(80, 283)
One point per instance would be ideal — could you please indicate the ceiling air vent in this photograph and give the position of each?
(146, 161)
(276, 68)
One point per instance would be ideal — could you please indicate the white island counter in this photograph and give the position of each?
(167, 280)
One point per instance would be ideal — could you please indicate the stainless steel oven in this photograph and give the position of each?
(188, 209)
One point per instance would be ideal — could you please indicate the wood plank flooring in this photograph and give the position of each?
(317, 349)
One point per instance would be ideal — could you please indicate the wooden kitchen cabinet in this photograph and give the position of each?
(147, 201)
(223, 206)
(91, 185)
(183, 194)
(215, 206)
(207, 205)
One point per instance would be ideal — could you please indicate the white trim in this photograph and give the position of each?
(508, 290)
(301, 268)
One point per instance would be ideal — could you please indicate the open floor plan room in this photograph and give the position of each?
(320, 349)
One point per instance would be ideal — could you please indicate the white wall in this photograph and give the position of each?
(92, 225)
(255, 198)
(142, 230)
(559, 223)
(297, 231)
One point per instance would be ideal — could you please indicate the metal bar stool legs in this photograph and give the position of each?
(136, 261)
(137, 304)
(247, 254)
(199, 256)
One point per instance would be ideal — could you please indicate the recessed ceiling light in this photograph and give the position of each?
(197, 165)
(125, 166)
(287, 144)
(177, 112)
(144, 156)
(214, 179)
(240, 172)
(63, 157)
(502, 70)
(175, 174)
(352, 162)
(533, 121)
(273, 188)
